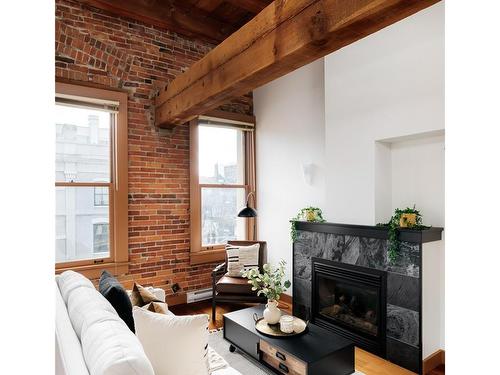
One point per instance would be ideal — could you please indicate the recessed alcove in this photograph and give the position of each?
(410, 170)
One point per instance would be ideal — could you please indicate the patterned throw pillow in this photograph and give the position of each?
(140, 296)
(157, 307)
(241, 258)
(174, 344)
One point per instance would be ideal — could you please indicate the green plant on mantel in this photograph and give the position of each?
(408, 218)
(311, 214)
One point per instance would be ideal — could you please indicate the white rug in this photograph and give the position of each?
(243, 363)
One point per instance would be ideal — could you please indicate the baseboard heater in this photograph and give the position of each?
(199, 295)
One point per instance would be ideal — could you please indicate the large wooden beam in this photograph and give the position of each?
(283, 37)
(176, 16)
(254, 6)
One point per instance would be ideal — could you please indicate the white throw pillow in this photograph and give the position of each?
(68, 281)
(241, 258)
(110, 348)
(174, 344)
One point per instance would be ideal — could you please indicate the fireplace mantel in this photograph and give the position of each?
(407, 235)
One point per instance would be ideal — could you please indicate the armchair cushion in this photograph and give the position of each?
(234, 285)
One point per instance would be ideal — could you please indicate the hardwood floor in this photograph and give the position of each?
(365, 362)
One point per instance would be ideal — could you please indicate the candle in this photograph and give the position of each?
(286, 324)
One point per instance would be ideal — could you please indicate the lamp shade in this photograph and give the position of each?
(247, 212)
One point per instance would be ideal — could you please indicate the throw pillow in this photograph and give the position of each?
(241, 258)
(173, 344)
(157, 307)
(116, 294)
(110, 348)
(140, 296)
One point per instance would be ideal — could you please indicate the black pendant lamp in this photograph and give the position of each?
(248, 211)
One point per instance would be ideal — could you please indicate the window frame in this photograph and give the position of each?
(200, 254)
(118, 259)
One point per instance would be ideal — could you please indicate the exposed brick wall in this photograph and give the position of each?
(95, 46)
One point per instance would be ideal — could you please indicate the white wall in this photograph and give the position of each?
(290, 133)
(389, 84)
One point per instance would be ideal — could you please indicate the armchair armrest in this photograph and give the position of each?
(220, 269)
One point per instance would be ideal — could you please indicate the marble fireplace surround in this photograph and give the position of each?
(366, 246)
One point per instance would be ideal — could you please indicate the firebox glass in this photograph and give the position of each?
(349, 305)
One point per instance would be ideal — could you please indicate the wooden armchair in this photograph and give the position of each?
(235, 289)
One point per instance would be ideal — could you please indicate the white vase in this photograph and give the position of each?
(272, 314)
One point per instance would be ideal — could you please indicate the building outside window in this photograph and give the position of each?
(101, 196)
(101, 238)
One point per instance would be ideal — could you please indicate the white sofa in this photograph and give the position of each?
(70, 359)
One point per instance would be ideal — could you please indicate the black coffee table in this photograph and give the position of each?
(316, 352)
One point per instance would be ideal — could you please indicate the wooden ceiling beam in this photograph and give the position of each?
(176, 16)
(253, 6)
(280, 39)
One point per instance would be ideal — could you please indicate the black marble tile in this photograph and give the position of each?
(372, 253)
(351, 251)
(318, 241)
(301, 265)
(402, 354)
(403, 291)
(302, 291)
(403, 324)
(407, 261)
(303, 242)
(334, 247)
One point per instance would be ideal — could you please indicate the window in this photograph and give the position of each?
(101, 196)
(91, 179)
(222, 174)
(101, 238)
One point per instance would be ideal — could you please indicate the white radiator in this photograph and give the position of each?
(199, 295)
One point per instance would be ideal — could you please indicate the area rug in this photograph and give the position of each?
(237, 360)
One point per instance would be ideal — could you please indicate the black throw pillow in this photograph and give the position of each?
(114, 292)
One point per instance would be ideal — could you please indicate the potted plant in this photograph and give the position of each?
(311, 214)
(270, 284)
(409, 218)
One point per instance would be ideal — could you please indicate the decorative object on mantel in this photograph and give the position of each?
(311, 214)
(270, 284)
(409, 218)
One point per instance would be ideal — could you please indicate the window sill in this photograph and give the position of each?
(207, 256)
(93, 271)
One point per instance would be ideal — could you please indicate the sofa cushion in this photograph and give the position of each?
(234, 285)
(85, 306)
(116, 294)
(110, 348)
(71, 280)
(241, 258)
(173, 344)
(141, 296)
(69, 356)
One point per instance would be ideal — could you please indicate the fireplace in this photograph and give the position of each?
(351, 301)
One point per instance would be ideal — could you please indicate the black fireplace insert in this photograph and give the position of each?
(351, 301)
